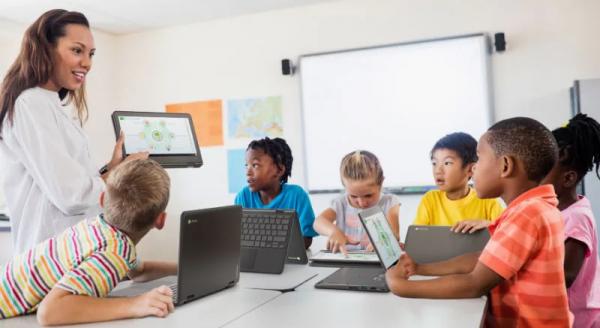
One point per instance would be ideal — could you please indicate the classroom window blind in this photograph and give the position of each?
(395, 101)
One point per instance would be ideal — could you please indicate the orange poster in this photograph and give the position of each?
(207, 117)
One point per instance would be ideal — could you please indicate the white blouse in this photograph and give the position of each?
(49, 180)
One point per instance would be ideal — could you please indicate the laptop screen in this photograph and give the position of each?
(381, 236)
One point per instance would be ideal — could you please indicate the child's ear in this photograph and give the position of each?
(470, 170)
(508, 166)
(160, 220)
(569, 179)
(280, 171)
(101, 201)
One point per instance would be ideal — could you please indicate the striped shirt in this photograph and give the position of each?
(527, 250)
(89, 258)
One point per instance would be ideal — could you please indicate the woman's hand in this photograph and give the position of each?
(117, 156)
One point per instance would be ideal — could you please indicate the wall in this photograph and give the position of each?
(550, 43)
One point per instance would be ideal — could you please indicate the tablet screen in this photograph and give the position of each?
(382, 238)
(328, 256)
(157, 135)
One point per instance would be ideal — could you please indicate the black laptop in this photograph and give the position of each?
(209, 255)
(269, 239)
(427, 244)
(388, 250)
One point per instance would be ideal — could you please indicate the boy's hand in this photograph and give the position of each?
(469, 226)
(396, 272)
(337, 242)
(157, 302)
(408, 265)
(370, 247)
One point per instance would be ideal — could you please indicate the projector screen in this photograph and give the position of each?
(395, 101)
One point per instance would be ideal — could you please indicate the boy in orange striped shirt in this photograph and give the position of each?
(521, 267)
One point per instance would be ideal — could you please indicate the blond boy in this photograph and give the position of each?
(66, 278)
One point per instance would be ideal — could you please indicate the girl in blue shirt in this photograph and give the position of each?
(268, 166)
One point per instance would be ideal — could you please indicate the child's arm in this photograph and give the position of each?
(61, 307)
(574, 256)
(151, 270)
(324, 222)
(337, 239)
(460, 264)
(474, 283)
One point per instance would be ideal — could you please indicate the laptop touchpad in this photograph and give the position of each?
(248, 257)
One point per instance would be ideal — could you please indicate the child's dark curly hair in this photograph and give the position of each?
(579, 145)
(279, 151)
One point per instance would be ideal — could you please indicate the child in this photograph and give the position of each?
(268, 166)
(362, 177)
(579, 150)
(66, 278)
(522, 264)
(455, 203)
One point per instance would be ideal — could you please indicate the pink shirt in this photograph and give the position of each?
(584, 293)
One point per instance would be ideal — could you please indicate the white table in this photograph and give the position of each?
(324, 308)
(212, 311)
(321, 272)
(293, 276)
(257, 302)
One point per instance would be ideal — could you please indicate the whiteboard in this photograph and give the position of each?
(395, 101)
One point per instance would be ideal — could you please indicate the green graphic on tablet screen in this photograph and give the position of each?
(383, 239)
(159, 136)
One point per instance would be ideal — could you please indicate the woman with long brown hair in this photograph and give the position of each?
(49, 180)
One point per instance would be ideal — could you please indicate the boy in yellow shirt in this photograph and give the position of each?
(455, 203)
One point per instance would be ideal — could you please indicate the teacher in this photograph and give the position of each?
(50, 182)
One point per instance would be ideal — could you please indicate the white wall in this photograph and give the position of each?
(550, 43)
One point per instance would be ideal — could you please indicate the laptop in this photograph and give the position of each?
(296, 252)
(427, 244)
(269, 239)
(388, 250)
(209, 255)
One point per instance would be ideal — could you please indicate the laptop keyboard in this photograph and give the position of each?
(174, 289)
(265, 230)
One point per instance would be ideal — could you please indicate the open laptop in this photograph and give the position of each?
(269, 239)
(296, 253)
(368, 278)
(209, 255)
(427, 244)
